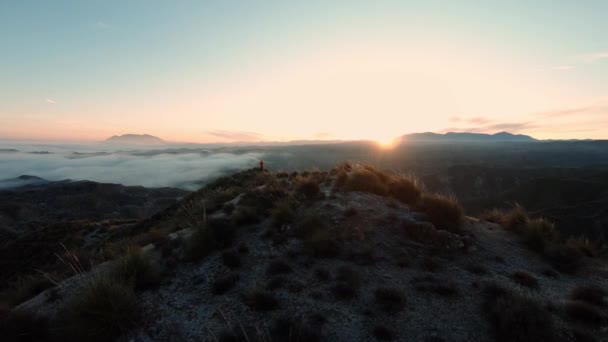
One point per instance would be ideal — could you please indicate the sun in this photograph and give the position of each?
(386, 143)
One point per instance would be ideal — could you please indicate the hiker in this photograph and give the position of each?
(261, 165)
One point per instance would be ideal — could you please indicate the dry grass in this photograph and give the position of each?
(444, 211)
(105, 310)
(525, 279)
(389, 300)
(585, 313)
(517, 318)
(591, 294)
(137, 269)
(224, 283)
(260, 300)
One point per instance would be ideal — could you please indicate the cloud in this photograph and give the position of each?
(101, 25)
(188, 169)
(51, 101)
(594, 57)
(236, 135)
(474, 121)
(598, 108)
(563, 67)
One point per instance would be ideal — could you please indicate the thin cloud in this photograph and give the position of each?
(51, 101)
(511, 127)
(596, 108)
(594, 57)
(236, 135)
(101, 25)
(473, 121)
(563, 67)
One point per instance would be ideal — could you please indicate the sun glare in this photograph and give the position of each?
(386, 143)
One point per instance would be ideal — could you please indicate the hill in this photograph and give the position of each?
(135, 139)
(353, 254)
(466, 137)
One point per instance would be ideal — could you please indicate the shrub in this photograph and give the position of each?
(591, 294)
(309, 223)
(538, 233)
(442, 287)
(585, 246)
(584, 313)
(516, 218)
(26, 288)
(294, 330)
(105, 310)
(564, 258)
(275, 283)
(224, 283)
(23, 326)
(260, 300)
(231, 259)
(348, 283)
(444, 212)
(477, 269)
(405, 189)
(308, 188)
(366, 179)
(278, 267)
(431, 264)
(245, 215)
(135, 268)
(517, 318)
(322, 274)
(283, 213)
(382, 333)
(200, 244)
(525, 279)
(389, 299)
(322, 244)
(494, 216)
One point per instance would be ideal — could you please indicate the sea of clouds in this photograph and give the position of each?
(186, 168)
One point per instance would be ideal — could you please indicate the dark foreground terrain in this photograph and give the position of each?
(353, 254)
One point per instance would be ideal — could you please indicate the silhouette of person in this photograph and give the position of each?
(261, 165)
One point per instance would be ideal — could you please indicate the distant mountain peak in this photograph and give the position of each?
(135, 139)
(466, 137)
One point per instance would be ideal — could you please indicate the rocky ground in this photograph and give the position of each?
(338, 264)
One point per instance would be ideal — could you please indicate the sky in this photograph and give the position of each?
(220, 71)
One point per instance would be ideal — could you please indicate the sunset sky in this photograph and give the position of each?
(204, 71)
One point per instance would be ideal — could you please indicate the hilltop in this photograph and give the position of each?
(466, 137)
(352, 254)
(135, 139)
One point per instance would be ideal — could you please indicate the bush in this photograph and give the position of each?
(585, 246)
(348, 283)
(584, 313)
(591, 294)
(105, 310)
(525, 279)
(494, 216)
(564, 258)
(278, 267)
(245, 215)
(135, 268)
(442, 287)
(516, 218)
(23, 326)
(389, 299)
(231, 259)
(283, 213)
(294, 330)
(444, 212)
(538, 233)
(309, 223)
(382, 333)
(365, 178)
(309, 188)
(200, 244)
(517, 318)
(405, 189)
(322, 244)
(26, 288)
(260, 300)
(224, 283)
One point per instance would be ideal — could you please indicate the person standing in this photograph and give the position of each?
(261, 165)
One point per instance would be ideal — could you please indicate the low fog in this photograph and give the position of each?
(183, 168)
